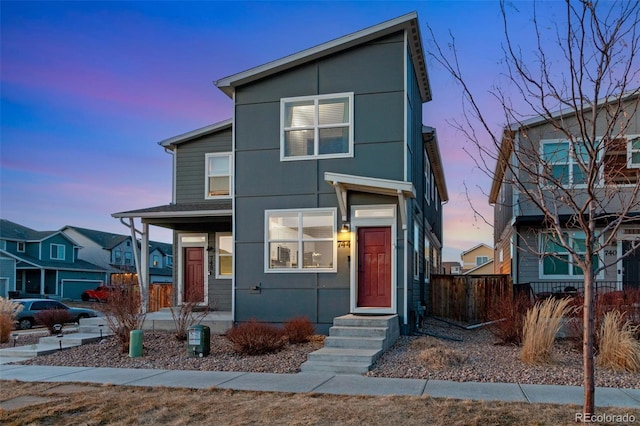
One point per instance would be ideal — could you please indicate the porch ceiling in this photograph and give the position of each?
(181, 216)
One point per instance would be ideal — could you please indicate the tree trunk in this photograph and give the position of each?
(587, 345)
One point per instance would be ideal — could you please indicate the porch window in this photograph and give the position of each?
(633, 153)
(219, 171)
(300, 240)
(57, 252)
(556, 260)
(316, 127)
(224, 255)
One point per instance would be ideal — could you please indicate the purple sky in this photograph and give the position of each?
(89, 88)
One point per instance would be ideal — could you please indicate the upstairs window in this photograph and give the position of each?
(633, 153)
(481, 260)
(156, 261)
(21, 246)
(218, 180)
(316, 127)
(57, 251)
(562, 165)
(117, 257)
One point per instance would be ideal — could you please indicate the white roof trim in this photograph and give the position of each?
(406, 22)
(167, 143)
(395, 188)
(193, 213)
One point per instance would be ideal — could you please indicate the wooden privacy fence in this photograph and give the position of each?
(467, 298)
(160, 296)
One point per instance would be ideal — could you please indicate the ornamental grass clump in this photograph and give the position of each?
(433, 354)
(618, 350)
(8, 311)
(541, 325)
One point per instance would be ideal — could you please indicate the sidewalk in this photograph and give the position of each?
(325, 383)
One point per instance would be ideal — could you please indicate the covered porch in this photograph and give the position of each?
(203, 258)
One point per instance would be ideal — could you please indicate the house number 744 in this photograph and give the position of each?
(344, 244)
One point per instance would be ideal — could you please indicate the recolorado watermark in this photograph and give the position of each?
(605, 418)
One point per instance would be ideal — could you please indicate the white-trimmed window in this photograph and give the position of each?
(219, 170)
(481, 260)
(155, 261)
(20, 246)
(224, 255)
(633, 153)
(556, 260)
(300, 240)
(564, 165)
(427, 178)
(316, 126)
(57, 252)
(427, 260)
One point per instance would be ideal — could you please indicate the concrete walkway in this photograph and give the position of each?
(326, 383)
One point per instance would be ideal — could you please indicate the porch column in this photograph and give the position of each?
(42, 275)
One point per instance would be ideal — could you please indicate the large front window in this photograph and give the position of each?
(219, 172)
(316, 126)
(556, 260)
(300, 240)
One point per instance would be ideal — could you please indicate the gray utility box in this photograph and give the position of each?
(198, 341)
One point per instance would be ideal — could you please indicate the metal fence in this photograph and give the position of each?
(559, 289)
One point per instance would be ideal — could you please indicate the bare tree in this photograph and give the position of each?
(583, 88)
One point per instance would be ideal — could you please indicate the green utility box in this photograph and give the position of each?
(198, 341)
(135, 343)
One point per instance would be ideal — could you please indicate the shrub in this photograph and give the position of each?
(188, 314)
(123, 314)
(299, 330)
(8, 311)
(542, 323)
(618, 350)
(51, 317)
(508, 315)
(256, 338)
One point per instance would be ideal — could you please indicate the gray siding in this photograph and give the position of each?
(190, 165)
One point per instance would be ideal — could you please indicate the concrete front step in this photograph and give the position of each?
(340, 355)
(335, 367)
(343, 331)
(35, 350)
(73, 338)
(354, 342)
(352, 320)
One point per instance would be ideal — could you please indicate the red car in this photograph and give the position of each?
(99, 294)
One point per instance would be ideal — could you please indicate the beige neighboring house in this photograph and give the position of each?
(477, 260)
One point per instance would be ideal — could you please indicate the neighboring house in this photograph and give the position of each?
(519, 231)
(476, 257)
(483, 269)
(114, 253)
(323, 194)
(43, 263)
(452, 268)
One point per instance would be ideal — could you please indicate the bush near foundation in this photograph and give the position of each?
(508, 315)
(8, 311)
(299, 330)
(51, 317)
(256, 338)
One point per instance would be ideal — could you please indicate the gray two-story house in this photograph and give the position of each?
(43, 264)
(523, 245)
(322, 195)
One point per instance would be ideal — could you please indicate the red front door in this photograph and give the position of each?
(193, 274)
(374, 267)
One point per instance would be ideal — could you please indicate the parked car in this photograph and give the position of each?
(99, 294)
(26, 318)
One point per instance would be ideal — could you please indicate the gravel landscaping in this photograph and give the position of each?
(461, 355)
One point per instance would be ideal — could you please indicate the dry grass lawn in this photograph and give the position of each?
(83, 404)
